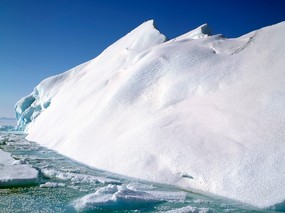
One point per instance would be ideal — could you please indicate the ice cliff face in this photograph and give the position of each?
(198, 111)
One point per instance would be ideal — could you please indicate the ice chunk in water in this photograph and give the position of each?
(15, 175)
(115, 197)
(190, 209)
(18, 175)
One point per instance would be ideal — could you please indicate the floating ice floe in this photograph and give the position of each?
(114, 197)
(52, 185)
(12, 174)
(127, 196)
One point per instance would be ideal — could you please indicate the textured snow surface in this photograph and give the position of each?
(12, 174)
(198, 111)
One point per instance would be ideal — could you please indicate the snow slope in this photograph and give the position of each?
(199, 111)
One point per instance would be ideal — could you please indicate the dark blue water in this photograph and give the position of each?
(68, 186)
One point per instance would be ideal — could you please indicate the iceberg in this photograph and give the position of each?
(7, 124)
(200, 111)
(7, 128)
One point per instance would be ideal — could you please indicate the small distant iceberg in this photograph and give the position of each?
(8, 124)
(7, 128)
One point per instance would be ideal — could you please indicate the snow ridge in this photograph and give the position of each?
(199, 111)
(202, 31)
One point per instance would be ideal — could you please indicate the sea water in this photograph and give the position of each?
(68, 186)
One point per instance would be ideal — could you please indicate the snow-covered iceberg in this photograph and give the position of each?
(199, 111)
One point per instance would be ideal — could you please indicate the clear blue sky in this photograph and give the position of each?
(40, 38)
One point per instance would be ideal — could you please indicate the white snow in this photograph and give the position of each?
(198, 111)
(12, 174)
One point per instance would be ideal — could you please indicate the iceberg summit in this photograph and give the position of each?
(200, 111)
